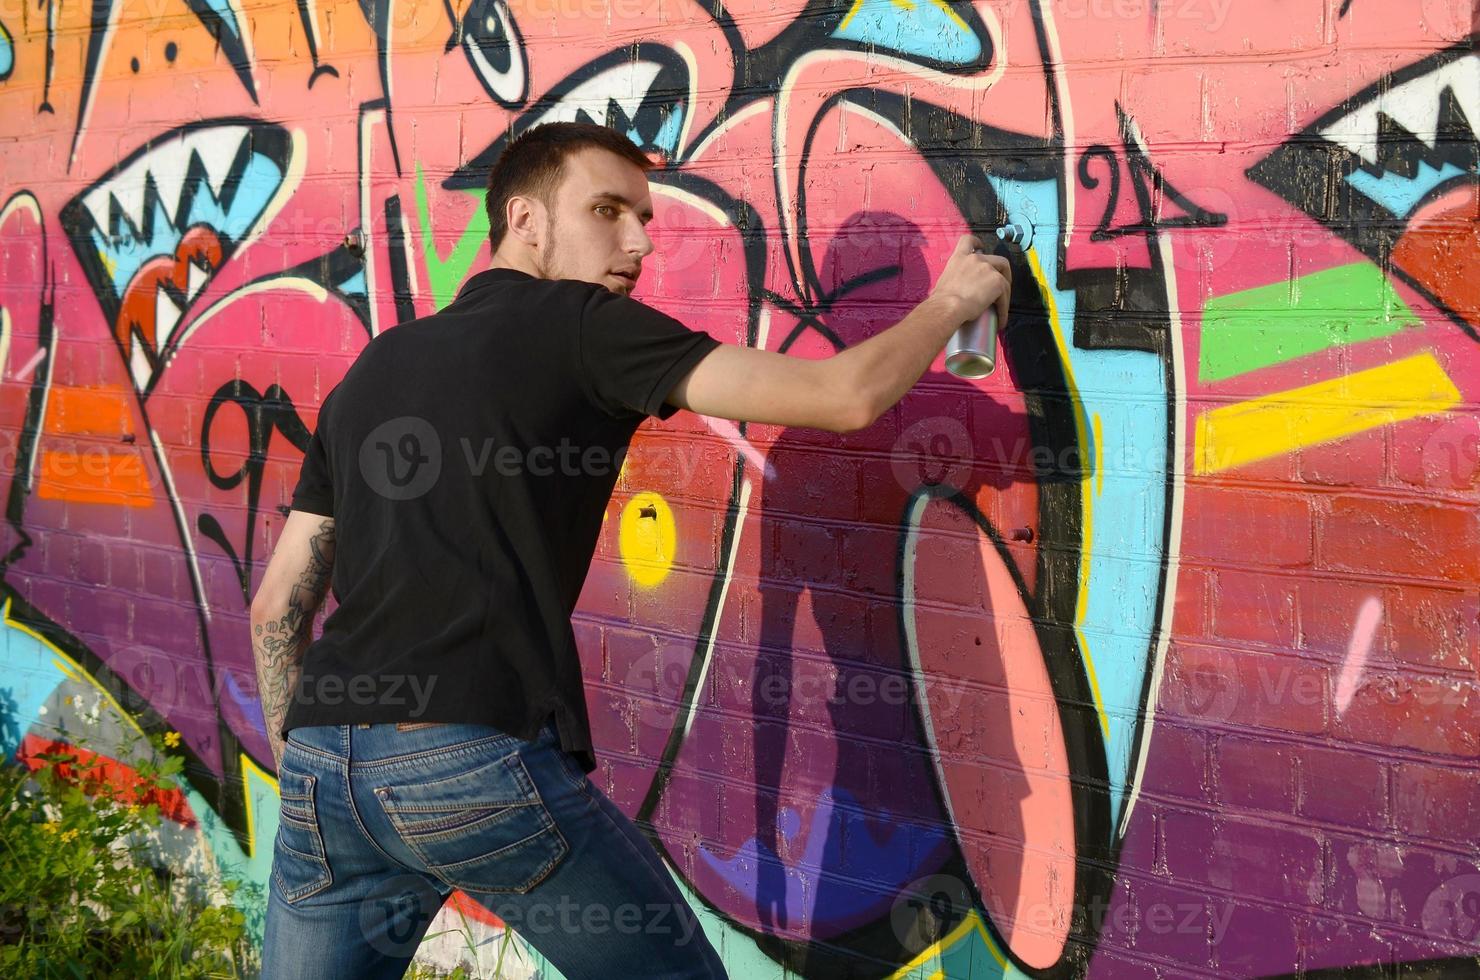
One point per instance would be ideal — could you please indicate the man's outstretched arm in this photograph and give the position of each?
(851, 389)
(283, 609)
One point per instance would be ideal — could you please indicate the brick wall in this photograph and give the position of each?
(1151, 654)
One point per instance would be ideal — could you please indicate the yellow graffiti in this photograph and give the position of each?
(1282, 422)
(969, 927)
(646, 536)
(1084, 429)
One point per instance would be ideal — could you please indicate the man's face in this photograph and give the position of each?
(594, 230)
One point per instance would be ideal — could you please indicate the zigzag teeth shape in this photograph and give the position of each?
(624, 87)
(196, 277)
(217, 150)
(166, 165)
(1414, 105)
(167, 315)
(138, 364)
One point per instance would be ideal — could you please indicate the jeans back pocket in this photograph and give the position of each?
(484, 829)
(299, 863)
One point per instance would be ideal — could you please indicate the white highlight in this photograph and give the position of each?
(166, 164)
(1356, 653)
(1177, 476)
(186, 529)
(1414, 105)
(627, 85)
(731, 434)
(719, 607)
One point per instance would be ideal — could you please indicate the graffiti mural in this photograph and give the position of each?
(1152, 652)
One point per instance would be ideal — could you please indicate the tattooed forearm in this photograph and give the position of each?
(281, 634)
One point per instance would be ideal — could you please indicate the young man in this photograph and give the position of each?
(435, 736)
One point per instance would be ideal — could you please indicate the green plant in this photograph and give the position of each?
(460, 972)
(81, 896)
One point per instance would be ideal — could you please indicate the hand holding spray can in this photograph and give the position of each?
(972, 350)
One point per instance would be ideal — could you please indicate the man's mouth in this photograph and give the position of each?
(628, 276)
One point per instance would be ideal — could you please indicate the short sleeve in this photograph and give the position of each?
(315, 490)
(632, 355)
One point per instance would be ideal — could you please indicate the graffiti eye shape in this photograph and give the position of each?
(495, 50)
(7, 53)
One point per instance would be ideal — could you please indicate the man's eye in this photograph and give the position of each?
(604, 207)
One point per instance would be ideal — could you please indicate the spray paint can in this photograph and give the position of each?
(972, 350)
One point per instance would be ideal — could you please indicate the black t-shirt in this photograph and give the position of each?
(467, 459)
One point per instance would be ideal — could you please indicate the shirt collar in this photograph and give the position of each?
(489, 276)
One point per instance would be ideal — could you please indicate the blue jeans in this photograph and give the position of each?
(379, 823)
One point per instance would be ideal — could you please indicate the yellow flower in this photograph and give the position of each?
(50, 826)
(69, 835)
(172, 739)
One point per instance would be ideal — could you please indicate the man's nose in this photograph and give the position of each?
(639, 242)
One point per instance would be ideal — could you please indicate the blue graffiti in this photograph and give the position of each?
(34, 673)
(1400, 194)
(7, 53)
(123, 254)
(929, 30)
(857, 882)
(1122, 401)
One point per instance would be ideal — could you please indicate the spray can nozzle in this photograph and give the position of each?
(972, 350)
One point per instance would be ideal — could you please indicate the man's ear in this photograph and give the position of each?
(526, 219)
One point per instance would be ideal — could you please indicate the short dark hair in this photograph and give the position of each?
(533, 164)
